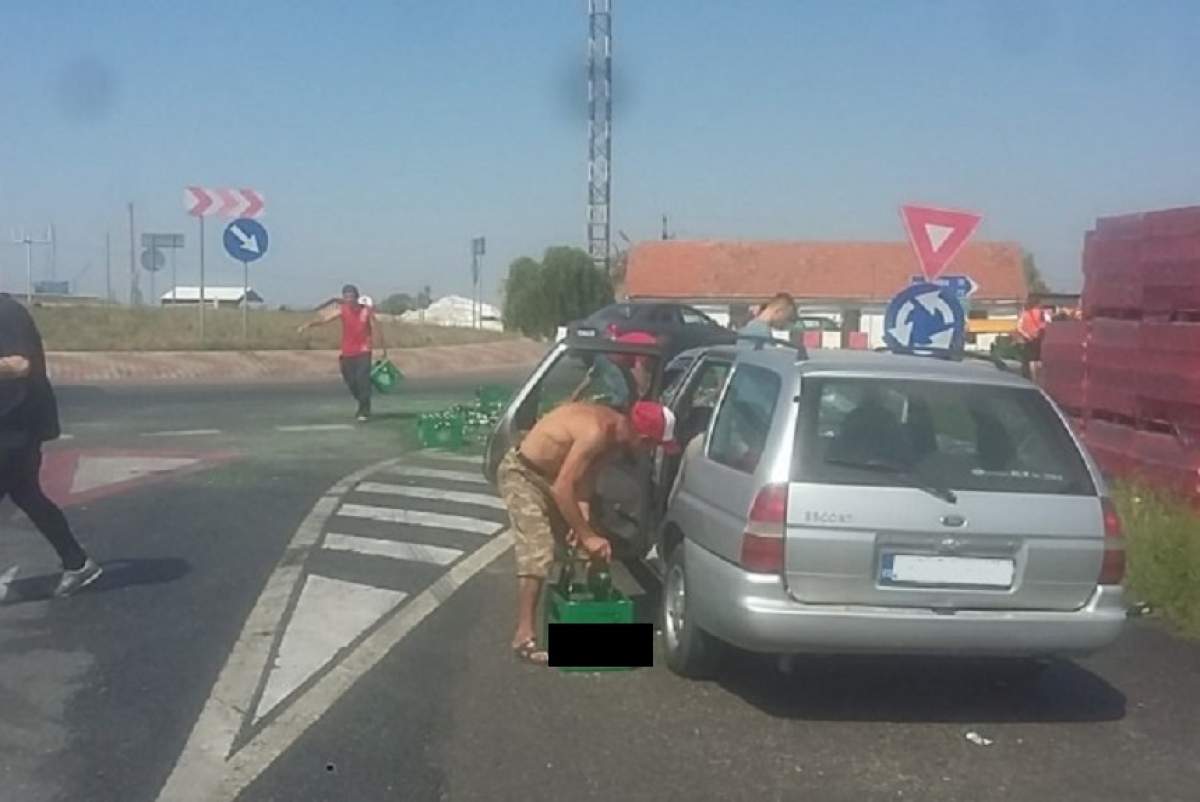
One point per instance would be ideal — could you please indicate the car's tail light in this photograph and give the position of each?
(1112, 567)
(762, 542)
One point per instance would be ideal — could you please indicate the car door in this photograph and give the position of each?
(590, 370)
(693, 403)
(721, 481)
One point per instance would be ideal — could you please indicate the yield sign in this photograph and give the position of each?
(937, 235)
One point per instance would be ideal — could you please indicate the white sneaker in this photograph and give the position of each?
(73, 581)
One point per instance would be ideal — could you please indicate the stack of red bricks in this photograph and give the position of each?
(1129, 372)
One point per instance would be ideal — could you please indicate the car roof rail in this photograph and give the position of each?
(958, 356)
(760, 341)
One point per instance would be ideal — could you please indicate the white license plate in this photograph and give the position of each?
(912, 569)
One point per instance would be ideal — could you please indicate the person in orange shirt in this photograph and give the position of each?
(1031, 326)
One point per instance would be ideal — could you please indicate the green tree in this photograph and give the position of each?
(398, 303)
(1033, 276)
(541, 296)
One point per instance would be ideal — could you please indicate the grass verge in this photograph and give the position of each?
(100, 328)
(1163, 552)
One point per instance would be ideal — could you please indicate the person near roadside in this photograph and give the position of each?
(1031, 327)
(29, 418)
(547, 483)
(776, 314)
(359, 329)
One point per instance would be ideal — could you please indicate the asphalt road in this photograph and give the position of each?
(266, 631)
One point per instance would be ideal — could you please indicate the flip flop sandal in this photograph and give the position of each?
(528, 652)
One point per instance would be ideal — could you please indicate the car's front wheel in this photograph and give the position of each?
(690, 651)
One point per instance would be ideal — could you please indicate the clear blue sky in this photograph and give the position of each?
(386, 134)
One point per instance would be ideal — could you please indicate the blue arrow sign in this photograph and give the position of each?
(962, 286)
(925, 319)
(246, 240)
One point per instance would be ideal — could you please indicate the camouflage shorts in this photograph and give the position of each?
(536, 520)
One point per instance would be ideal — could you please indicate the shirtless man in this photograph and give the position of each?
(547, 484)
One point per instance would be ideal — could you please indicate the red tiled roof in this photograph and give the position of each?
(855, 271)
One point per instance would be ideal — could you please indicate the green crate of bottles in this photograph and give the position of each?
(567, 604)
(441, 429)
(493, 396)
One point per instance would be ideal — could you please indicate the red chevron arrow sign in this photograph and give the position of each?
(225, 202)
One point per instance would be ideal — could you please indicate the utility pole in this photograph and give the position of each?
(108, 293)
(665, 234)
(599, 221)
(53, 253)
(28, 241)
(135, 291)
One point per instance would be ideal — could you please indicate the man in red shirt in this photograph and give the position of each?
(358, 328)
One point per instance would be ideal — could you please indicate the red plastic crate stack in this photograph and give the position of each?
(1130, 371)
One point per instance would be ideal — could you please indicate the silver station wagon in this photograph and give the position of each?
(855, 502)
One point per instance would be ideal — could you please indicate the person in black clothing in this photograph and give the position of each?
(28, 418)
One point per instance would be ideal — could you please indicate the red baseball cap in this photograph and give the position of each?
(655, 422)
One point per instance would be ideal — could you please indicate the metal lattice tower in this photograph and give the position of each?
(599, 226)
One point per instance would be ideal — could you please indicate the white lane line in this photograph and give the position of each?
(316, 427)
(262, 750)
(6, 579)
(436, 520)
(198, 773)
(182, 433)
(447, 456)
(397, 550)
(66, 437)
(329, 616)
(432, 493)
(414, 472)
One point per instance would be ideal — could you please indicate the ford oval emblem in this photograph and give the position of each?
(953, 520)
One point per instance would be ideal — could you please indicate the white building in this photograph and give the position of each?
(217, 297)
(455, 310)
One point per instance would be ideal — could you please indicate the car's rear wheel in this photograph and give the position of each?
(690, 651)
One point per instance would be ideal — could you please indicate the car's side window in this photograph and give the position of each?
(739, 434)
(694, 408)
(694, 317)
(665, 316)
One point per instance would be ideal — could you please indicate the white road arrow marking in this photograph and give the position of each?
(330, 614)
(249, 243)
(94, 472)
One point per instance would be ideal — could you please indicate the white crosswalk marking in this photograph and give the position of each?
(414, 552)
(419, 518)
(414, 472)
(431, 493)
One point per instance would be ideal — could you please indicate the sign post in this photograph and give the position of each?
(245, 240)
(157, 243)
(478, 246)
(203, 202)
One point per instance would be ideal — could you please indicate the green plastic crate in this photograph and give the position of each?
(441, 430)
(582, 609)
(385, 376)
(492, 396)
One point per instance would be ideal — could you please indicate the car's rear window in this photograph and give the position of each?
(612, 314)
(958, 436)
